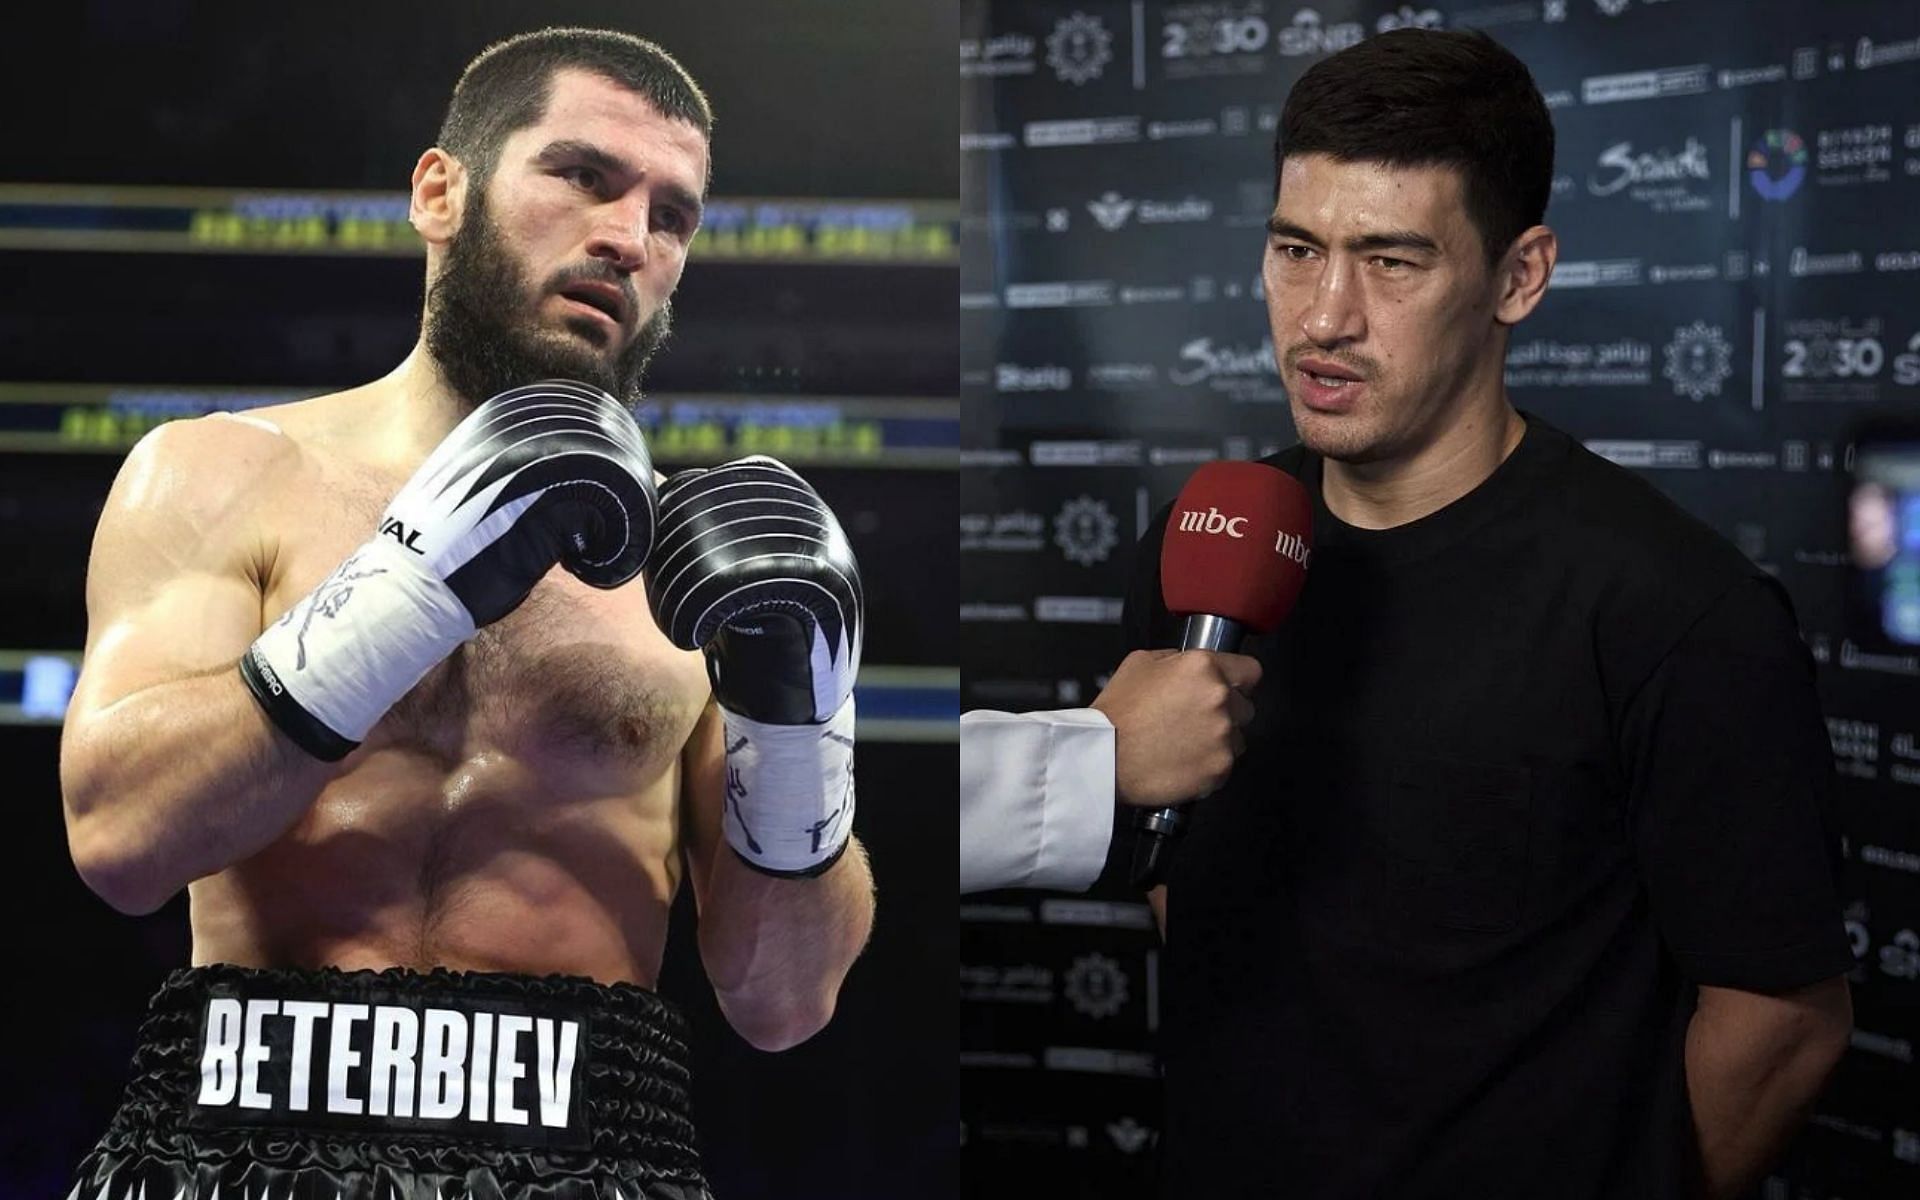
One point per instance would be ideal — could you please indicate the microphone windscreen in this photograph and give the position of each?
(1237, 545)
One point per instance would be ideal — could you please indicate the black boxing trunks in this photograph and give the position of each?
(395, 1085)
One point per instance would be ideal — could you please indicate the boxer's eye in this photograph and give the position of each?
(583, 177)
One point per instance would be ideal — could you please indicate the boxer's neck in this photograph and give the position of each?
(414, 408)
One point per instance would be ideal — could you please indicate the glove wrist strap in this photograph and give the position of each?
(329, 668)
(789, 792)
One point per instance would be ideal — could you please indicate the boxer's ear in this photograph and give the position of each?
(439, 196)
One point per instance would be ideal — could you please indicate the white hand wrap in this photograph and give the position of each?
(358, 642)
(789, 802)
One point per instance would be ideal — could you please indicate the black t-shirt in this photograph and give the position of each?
(1522, 774)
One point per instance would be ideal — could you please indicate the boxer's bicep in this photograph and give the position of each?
(172, 583)
(703, 787)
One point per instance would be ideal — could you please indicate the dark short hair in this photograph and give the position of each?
(1432, 98)
(506, 88)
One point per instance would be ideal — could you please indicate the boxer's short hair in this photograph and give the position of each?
(1432, 98)
(506, 88)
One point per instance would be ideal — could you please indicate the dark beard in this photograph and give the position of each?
(481, 334)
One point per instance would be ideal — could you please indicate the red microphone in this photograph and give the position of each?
(1232, 563)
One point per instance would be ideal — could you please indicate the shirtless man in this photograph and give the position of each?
(425, 967)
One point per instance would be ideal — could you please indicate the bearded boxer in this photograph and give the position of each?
(375, 678)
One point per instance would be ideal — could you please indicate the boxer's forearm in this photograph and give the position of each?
(177, 781)
(777, 949)
(1753, 1073)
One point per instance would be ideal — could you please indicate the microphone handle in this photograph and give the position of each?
(1154, 830)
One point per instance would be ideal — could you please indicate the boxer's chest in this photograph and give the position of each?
(574, 679)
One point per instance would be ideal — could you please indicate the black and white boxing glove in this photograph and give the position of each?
(554, 472)
(752, 568)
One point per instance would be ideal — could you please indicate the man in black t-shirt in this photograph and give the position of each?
(1524, 886)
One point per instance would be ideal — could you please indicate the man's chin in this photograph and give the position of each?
(1345, 438)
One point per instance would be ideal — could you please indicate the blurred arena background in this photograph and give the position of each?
(203, 207)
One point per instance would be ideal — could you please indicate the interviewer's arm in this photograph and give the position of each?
(1036, 798)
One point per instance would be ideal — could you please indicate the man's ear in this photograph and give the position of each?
(1524, 271)
(439, 196)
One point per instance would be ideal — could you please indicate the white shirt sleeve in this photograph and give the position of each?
(1036, 798)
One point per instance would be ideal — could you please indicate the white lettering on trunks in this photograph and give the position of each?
(434, 1064)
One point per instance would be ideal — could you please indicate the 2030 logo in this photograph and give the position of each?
(1201, 37)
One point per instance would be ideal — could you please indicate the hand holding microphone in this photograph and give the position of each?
(1232, 562)
(1177, 717)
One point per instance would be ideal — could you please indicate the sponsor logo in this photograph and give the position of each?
(1161, 131)
(1207, 362)
(1084, 131)
(1658, 178)
(1777, 164)
(1096, 986)
(1079, 48)
(1839, 262)
(1867, 54)
(1173, 456)
(1682, 272)
(1906, 367)
(1733, 77)
(1020, 983)
(1129, 1136)
(1897, 260)
(1900, 958)
(1120, 376)
(1212, 521)
(1649, 454)
(991, 456)
(1112, 211)
(435, 1066)
(986, 141)
(1756, 459)
(1291, 546)
(1084, 454)
(1832, 359)
(1011, 533)
(1152, 295)
(1498, 14)
(1012, 377)
(1543, 362)
(1078, 610)
(410, 538)
(265, 668)
(1611, 8)
(1600, 272)
(1699, 360)
(1217, 39)
(993, 612)
(1854, 155)
(1070, 294)
(1409, 17)
(1906, 1145)
(1086, 530)
(1307, 35)
(1007, 54)
(1656, 84)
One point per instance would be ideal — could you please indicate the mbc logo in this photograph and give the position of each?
(1287, 545)
(1211, 521)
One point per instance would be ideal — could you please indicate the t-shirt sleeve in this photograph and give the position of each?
(1729, 771)
(1144, 619)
